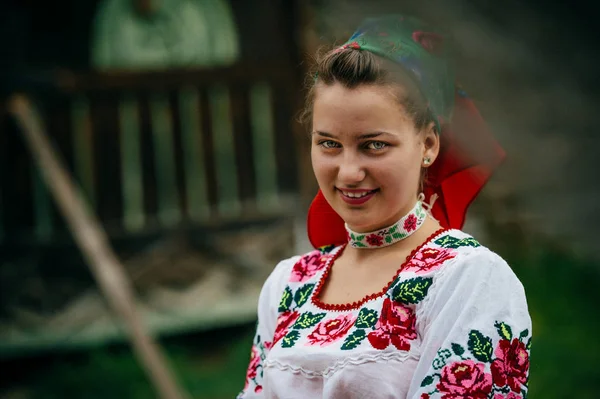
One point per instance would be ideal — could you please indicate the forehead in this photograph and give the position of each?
(366, 108)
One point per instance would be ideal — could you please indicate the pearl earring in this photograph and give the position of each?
(427, 160)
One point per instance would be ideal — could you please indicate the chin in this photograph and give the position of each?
(357, 222)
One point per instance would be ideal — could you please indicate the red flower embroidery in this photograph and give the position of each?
(307, 266)
(374, 239)
(465, 379)
(396, 325)
(425, 396)
(410, 224)
(331, 330)
(511, 364)
(429, 259)
(284, 321)
(253, 366)
(258, 389)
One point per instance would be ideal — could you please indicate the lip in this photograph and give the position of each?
(356, 201)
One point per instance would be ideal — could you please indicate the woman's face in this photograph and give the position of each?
(367, 155)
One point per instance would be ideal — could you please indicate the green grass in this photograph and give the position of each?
(562, 295)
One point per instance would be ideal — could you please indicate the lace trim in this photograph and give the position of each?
(340, 364)
(357, 304)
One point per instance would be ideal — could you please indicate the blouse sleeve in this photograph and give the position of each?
(476, 333)
(268, 304)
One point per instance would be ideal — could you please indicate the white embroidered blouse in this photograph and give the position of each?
(452, 324)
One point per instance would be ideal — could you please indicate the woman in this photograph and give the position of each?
(389, 130)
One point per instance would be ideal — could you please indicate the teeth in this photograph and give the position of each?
(355, 195)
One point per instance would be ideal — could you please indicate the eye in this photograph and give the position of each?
(376, 145)
(328, 144)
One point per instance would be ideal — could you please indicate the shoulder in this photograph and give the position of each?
(471, 260)
(475, 276)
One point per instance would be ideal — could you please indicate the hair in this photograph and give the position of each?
(354, 67)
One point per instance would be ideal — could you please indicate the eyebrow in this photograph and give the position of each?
(361, 137)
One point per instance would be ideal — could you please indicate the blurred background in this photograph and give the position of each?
(178, 121)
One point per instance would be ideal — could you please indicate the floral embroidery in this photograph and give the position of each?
(465, 379)
(375, 240)
(410, 224)
(428, 259)
(303, 321)
(396, 326)
(307, 266)
(254, 373)
(453, 242)
(288, 298)
(284, 321)
(328, 332)
(389, 235)
(487, 373)
(511, 364)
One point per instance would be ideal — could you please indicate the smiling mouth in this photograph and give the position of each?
(354, 194)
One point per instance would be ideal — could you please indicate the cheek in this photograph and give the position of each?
(320, 164)
(400, 174)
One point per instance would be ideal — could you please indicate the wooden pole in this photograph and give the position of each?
(92, 241)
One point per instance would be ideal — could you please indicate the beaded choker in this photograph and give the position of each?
(392, 234)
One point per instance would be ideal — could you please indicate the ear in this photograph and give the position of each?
(431, 144)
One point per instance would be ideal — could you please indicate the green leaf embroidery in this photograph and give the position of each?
(303, 294)
(398, 235)
(326, 249)
(307, 320)
(457, 349)
(359, 244)
(504, 330)
(469, 242)
(286, 300)
(388, 239)
(445, 241)
(360, 238)
(480, 346)
(393, 230)
(412, 291)
(366, 318)
(440, 360)
(354, 339)
(453, 242)
(290, 339)
(524, 333)
(427, 381)
(528, 347)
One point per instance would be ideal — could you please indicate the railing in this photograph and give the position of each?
(157, 150)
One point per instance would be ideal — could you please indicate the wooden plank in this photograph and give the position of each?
(71, 82)
(225, 162)
(83, 154)
(169, 212)
(193, 155)
(131, 164)
(263, 135)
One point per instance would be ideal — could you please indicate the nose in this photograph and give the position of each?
(350, 171)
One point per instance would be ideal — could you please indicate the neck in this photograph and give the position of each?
(405, 246)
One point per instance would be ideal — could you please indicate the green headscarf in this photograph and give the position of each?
(422, 50)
